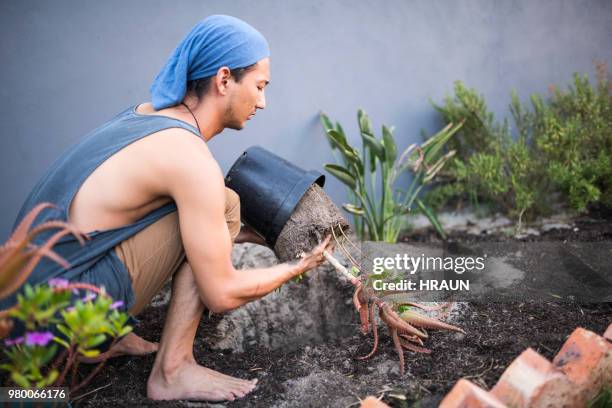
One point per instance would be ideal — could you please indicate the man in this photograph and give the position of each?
(152, 198)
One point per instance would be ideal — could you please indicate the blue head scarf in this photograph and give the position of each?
(215, 42)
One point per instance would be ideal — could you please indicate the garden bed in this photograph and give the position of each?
(326, 374)
(304, 354)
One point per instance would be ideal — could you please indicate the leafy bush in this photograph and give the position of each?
(574, 133)
(382, 220)
(44, 309)
(490, 166)
(561, 155)
(89, 323)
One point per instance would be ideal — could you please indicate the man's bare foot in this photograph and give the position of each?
(191, 381)
(131, 345)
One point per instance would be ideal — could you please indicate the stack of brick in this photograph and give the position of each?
(580, 369)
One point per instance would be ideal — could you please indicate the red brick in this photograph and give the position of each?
(608, 333)
(372, 402)
(586, 359)
(467, 395)
(532, 381)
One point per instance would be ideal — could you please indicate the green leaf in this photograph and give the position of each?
(61, 342)
(342, 174)
(350, 155)
(89, 353)
(94, 341)
(125, 330)
(403, 308)
(374, 145)
(432, 146)
(20, 380)
(368, 137)
(337, 139)
(435, 168)
(365, 126)
(431, 216)
(52, 376)
(327, 124)
(341, 131)
(372, 157)
(45, 314)
(390, 147)
(49, 353)
(65, 331)
(353, 209)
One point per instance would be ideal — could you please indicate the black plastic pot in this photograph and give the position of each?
(269, 188)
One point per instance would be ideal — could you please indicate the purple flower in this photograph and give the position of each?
(12, 342)
(58, 283)
(116, 305)
(89, 296)
(38, 338)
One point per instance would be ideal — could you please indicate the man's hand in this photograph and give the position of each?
(315, 257)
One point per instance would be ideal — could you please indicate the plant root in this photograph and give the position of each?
(402, 328)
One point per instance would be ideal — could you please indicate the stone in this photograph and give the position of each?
(465, 394)
(532, 381)
(586, 359)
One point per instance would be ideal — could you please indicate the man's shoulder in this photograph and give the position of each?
(179, 155)
(177, 147)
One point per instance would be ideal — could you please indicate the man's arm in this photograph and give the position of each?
(195, 182)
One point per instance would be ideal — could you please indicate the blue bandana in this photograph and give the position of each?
(215, 42)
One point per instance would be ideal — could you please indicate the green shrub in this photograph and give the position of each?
(491, 167)
(561, 154)
(92, 320)
(574, 133)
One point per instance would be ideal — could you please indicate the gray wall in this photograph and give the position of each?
(69, 66)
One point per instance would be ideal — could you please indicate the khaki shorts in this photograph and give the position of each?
(154, 254)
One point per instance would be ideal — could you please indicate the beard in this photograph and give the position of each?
(231, 121)
(235, 125)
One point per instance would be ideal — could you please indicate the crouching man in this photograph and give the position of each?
(149, 193)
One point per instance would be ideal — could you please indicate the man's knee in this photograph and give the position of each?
(232, 212)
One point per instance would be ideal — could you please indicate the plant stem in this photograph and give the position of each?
(340, 268)
(59, 359)
(75, 368)
(94, 372)
(69, 362)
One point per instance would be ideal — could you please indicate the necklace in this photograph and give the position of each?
(194, 118)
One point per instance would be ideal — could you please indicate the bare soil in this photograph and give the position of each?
(327, 374)
(583, 229)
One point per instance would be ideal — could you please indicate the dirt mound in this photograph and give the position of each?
(311, 311)
(311, 221)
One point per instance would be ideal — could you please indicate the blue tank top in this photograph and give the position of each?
(96, 261)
